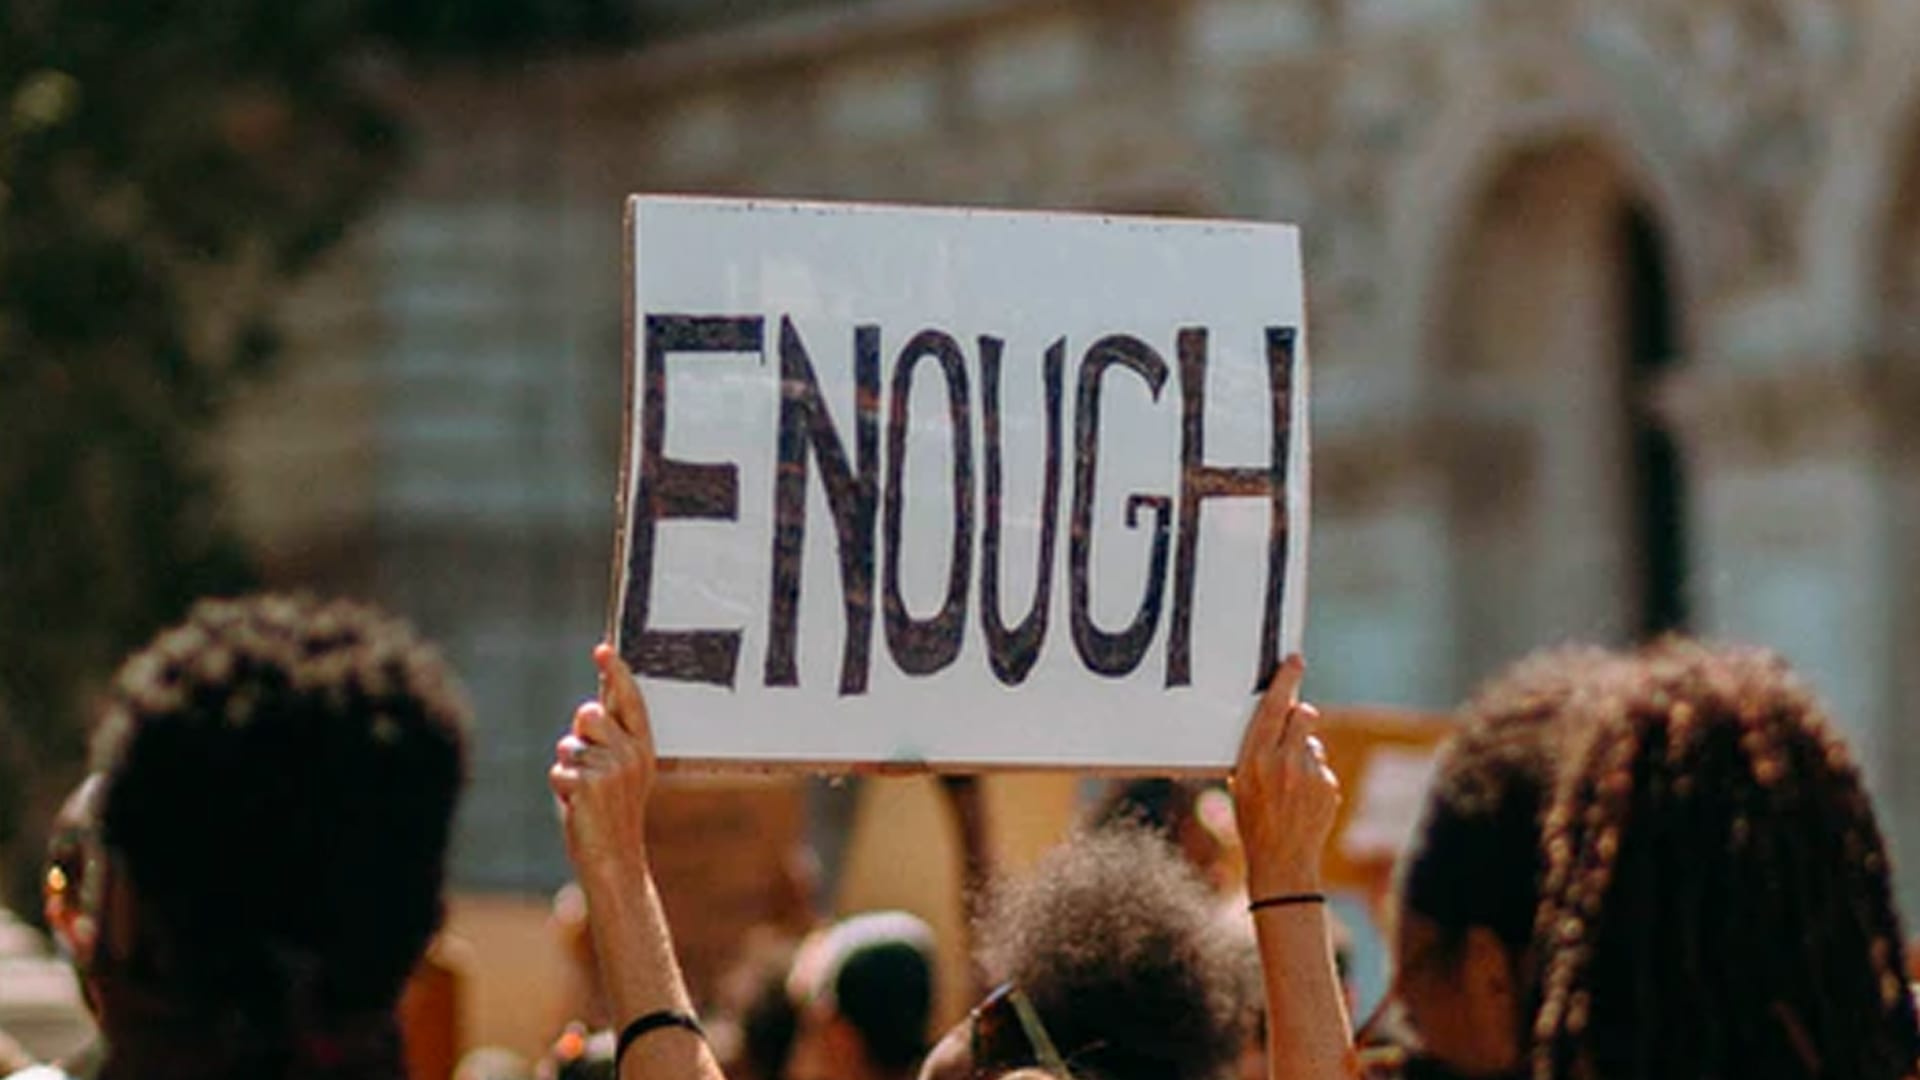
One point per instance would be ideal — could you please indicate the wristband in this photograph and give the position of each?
(651, 1022)
(1287, 900)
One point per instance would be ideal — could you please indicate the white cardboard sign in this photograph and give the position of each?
(917, 488)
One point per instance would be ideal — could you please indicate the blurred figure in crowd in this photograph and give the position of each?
(755, 1018)
(275, 785)
(1171, 808)
(863, 991)
(756, 1021)
(1109, 961)
(1718, 899)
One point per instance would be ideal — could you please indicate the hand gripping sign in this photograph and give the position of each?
(958, 489)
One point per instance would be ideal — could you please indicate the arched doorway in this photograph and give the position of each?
(1565, 493)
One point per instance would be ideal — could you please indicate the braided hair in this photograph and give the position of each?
(1717, 900)
(1475, 858)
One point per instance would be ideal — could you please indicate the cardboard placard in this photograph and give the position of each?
(1385, 759)
(913, 488)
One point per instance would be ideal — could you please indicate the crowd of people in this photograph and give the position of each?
(1658, 863)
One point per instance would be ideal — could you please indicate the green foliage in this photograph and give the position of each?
(166, 170)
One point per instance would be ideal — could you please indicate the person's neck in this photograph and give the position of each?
(152, 1038)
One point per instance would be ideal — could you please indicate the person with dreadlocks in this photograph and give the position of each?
(1467, 887)
(1470, 880)
(1717, 899)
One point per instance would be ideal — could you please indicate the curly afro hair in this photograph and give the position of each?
(1115, 941)
(1717, 901)
(280, 779)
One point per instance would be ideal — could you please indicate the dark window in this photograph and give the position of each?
(1659, 486)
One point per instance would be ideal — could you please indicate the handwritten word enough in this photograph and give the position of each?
(865, 501)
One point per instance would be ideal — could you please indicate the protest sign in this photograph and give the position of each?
(910, 488)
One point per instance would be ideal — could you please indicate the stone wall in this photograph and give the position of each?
(1459, 167)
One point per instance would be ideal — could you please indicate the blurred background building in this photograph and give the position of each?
(1614, 309)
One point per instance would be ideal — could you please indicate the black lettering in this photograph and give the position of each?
(1200, 481)
(1012, 653)
(851, 496)
(924, 646)
(666, 489)
(1112, 654)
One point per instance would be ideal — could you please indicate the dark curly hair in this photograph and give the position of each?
(1114, 940)
(280, 778)
(1475, 859)
(1717, 901)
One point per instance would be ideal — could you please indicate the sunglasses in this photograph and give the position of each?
(1378, 1043)
(1005, 1033)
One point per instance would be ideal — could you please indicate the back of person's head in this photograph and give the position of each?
(279, 783)
(1470, 880)
(1718, 899)
(1115, 943)
(1475, 859)
(874, 974)
(768, 1024)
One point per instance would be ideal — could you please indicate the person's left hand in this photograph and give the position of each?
(1285, 795)
(603, 773)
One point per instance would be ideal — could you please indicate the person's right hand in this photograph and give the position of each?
(1284, 793)
(603, 772)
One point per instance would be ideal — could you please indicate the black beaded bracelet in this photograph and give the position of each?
(1287, 900)
(651, 1022)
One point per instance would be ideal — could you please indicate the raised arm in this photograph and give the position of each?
(1285, 797)
(603, 773)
